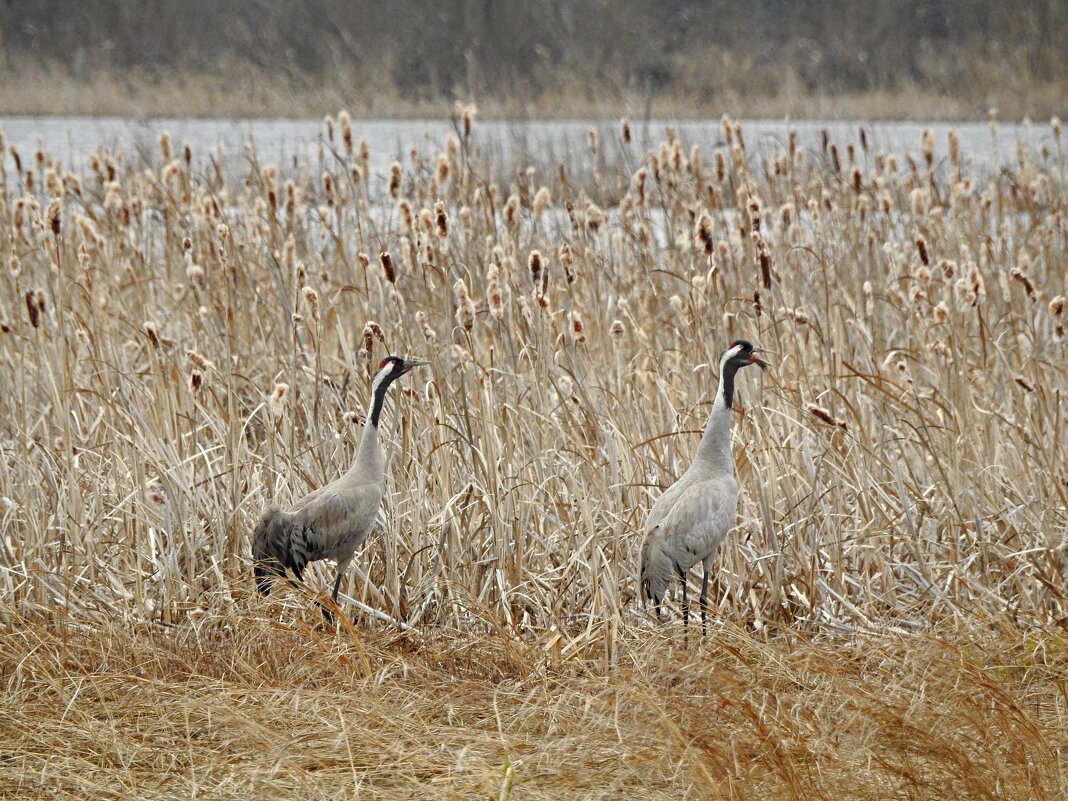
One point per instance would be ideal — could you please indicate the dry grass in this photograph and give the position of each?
(903, 470)
(243, 90)
(235, 706)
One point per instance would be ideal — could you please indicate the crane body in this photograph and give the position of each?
(689, 521)
(332, 521)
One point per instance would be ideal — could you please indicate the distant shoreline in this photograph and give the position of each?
(48, 93)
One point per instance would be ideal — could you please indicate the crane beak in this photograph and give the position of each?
(754, 359)
(410, 363)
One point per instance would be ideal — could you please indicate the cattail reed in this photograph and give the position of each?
(1021, 278)
(921, 248)
(33, 311)
(703, 233)
(388, 270)
(534, 263)
(927, 145)
(511, 211)
(465, 308)
(311, 300)
(595, 217)
(567, 261)
(494, 299)
(345, 122)
(822, 414)
(624, 125)
(404, 209)
(468, 120)
(578, 331)
(541, 201)
(441, 220)
(152, 332)
(764, 257)
(394, 179)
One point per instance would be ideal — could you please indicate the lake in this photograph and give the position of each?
(280, 141)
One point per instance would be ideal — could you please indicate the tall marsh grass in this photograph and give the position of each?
(180, 350)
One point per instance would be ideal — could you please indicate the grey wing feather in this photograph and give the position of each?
(324, 524)
(693, 517)
(335, 523)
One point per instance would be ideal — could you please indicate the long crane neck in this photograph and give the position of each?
(715, 447)
(369, 453)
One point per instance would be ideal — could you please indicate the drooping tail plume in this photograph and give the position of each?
(266, 562)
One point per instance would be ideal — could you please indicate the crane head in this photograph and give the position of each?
(393, 367)
(742, 354)
(398, 366)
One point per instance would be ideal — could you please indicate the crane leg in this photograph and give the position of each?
(337, 585)
(298, 571)
(704, 600)
(685, 608)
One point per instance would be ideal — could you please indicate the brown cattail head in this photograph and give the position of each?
(541, 201)
(625, 125)
(534, 263)
(441, 220)
(468, 119)
(346, 131)
(703, 233)
(152, 333)
(311, 298)
(921, 248)
(32, 310)
(494, 300)
(53, 215)
(825, 416)
(465, 308)
(765, 266)
(1020, 277)
(394, 179)
(428, 333)
(927, 146)
(567, 259)
(387, 266)
(367, 347)
(595, 217)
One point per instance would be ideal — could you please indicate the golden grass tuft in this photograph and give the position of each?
(236, 704)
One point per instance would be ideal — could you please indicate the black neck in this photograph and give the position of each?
(727, 379)
(379, 399)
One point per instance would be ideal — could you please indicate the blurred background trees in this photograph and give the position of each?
(489, 48)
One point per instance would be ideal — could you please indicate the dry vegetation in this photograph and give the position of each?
(181, 348)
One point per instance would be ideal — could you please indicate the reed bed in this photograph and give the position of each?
(181, 348)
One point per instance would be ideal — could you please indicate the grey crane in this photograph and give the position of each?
(332, 521)
(689, 521)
